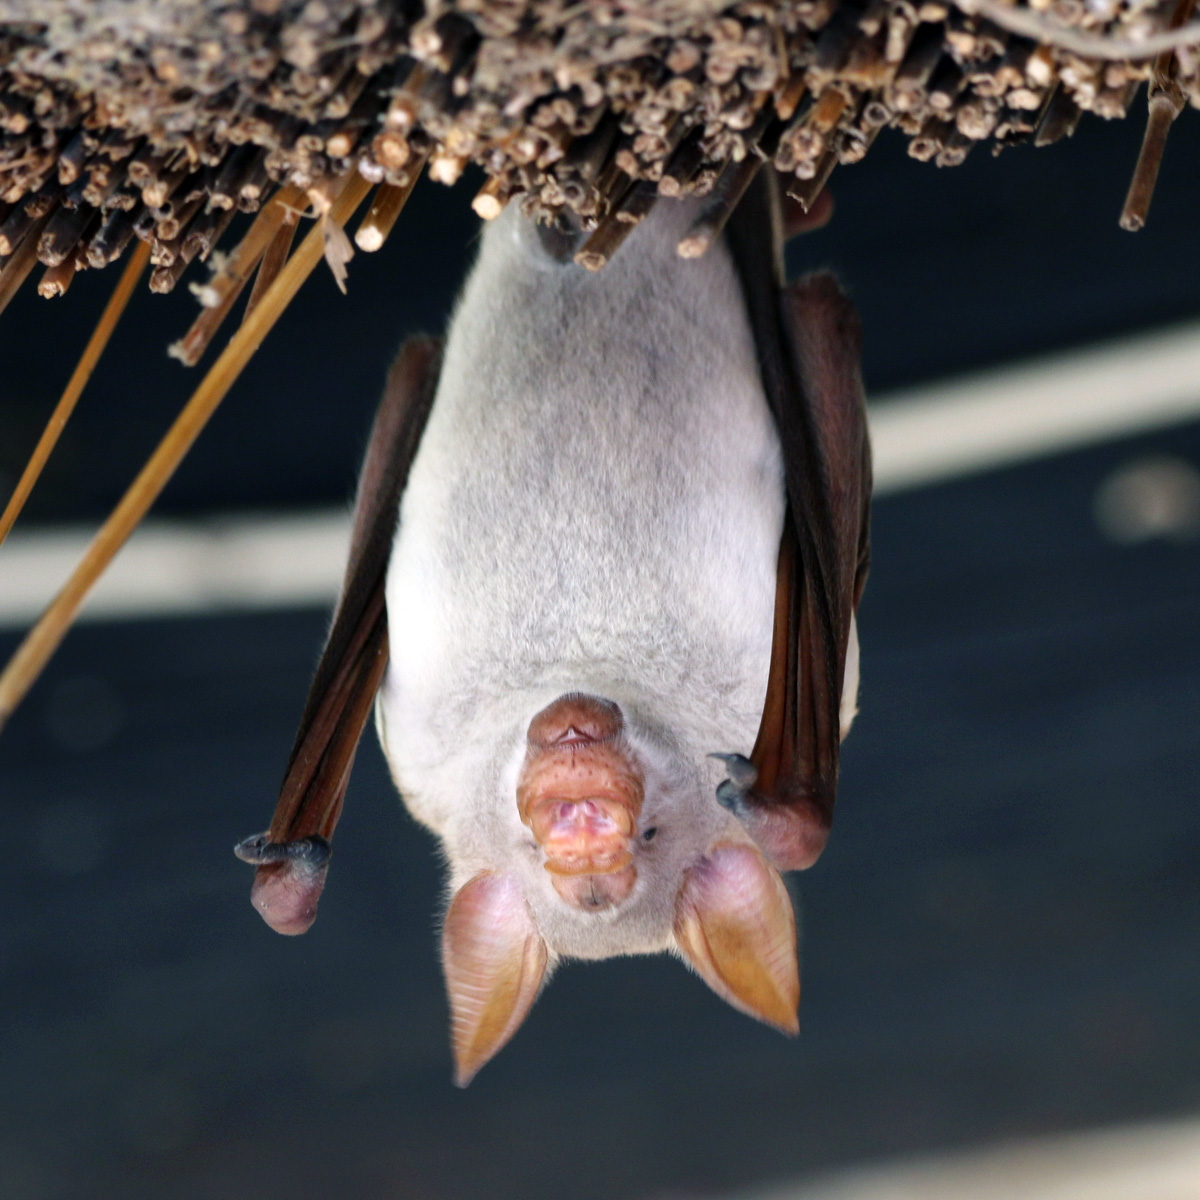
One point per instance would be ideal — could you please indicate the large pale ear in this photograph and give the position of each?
(494, 960)
(735, 925)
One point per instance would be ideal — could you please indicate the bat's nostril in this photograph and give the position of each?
(576, 720)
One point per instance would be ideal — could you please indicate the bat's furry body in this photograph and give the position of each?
(596, 506)
(620, 526)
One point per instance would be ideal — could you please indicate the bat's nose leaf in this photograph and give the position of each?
(494, 961)
(735, 926)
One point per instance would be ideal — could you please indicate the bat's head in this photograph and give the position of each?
(580, 792)
(618, 848)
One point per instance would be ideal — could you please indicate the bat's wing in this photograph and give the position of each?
(292, 856)
(808, 340)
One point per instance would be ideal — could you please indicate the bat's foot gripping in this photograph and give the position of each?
(732, 792)
(289, 879)
(791, 830)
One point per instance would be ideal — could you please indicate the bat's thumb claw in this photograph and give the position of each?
(259, 850)
(251, 849)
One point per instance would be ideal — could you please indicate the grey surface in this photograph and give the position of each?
(1002, 938)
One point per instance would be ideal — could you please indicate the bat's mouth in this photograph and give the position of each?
(583, 837)
(580, 793)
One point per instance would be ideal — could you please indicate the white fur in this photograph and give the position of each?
(596, 506)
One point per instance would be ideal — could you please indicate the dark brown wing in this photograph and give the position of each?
(808, 340)
(292, 856)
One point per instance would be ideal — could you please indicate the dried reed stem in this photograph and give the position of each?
(1032, 24)
(729, 189)
(1165, 102)
(489, 200)
(16, 270)
(1164, 108)
(272, 263)
(221, 292)
(389, 202)
(43, 639)
(806, 191)
(611, 233)
(56, 280)
(75, 385)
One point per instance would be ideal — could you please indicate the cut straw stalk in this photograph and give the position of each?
(56, 280)
(729, 189)
(272, 263)
(381, 216)
(610, 234)
(75, 385)
(489, 201)
(44, 638)
(23, 259)
(221, 292)
(1164, 106)
(1165, 101)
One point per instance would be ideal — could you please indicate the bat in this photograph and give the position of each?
(607, 553)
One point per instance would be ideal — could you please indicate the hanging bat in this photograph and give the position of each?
(606, 558)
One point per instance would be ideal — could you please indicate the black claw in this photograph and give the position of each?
(259, 850)
(732, 797)
(742, 771)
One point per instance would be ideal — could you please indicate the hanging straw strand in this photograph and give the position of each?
(75, 385)
(41, 642)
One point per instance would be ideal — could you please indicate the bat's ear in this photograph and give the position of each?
(735, 926)
(495, 961)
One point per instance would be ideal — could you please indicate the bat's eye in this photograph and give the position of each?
(650, 833)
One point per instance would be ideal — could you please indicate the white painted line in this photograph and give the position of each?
(920, 437)
(1158, 1161)
(1043, 406)
(175, 567)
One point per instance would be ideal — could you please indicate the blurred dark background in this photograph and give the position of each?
(1002, 939)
